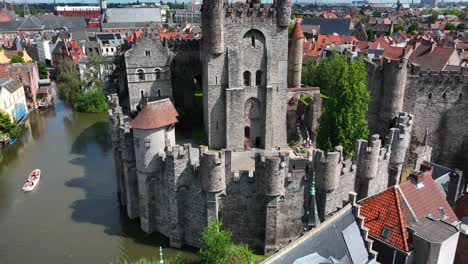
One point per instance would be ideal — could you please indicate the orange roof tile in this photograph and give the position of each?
(402, 205)
(156, 114)
(385, 210)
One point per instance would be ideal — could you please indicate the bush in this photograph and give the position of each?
(8, 126)
(16, 59)
(218, 248)
(92, 101)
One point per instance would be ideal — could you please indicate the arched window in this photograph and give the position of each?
(142, 94)
(253, 41)
(258, 78)
(460, 96)
(444, 95)
(429, 96)
(159, 93)
(157, 73)
(246, 78)
(141, 75)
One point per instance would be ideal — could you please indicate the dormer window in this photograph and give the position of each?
(386, 232)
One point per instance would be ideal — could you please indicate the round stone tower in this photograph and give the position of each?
(295, 56)
(213, 26)
(212, 171)
(270, 173)
(329, 169)
(394, 77)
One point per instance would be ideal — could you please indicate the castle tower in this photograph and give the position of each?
(245, 73)
(399, 139)
(295, 56)
(367, 161)
(153, 132)
(394, 83)
(213, 21)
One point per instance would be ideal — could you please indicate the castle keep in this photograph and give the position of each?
(250, 80)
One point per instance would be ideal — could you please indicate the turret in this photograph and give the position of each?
(394, 83)
(213, 26)
(283, 12)
(328, 169)
(153, 130)
(212, 171)
(295, 56)
(270, 173)
(399, 139)
(367, 157)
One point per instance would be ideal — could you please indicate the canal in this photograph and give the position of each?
(73, 215)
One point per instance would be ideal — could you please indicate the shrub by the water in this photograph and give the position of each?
(218, 248)
(92, 101)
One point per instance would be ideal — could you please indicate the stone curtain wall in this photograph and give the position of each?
(181, 190)
(439, 102)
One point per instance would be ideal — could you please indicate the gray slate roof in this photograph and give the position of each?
(10, 85)
(330, 25)
(433, 231)
(52, 22)
(10, 26)
(336, 238)
(132, 15)
(31, 23)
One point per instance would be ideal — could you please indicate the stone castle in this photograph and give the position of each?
(251, 82)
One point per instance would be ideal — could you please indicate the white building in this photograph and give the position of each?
(12, 98)
(109, 43)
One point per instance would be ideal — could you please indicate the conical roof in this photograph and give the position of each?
(297, 32)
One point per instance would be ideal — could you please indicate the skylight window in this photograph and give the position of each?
(386, 232)
(443, 213)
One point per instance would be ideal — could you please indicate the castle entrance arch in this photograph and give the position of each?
(252, 124)
(303, 110)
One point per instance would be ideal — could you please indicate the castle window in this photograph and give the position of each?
(159, 93)
(147, 53)
(460, 96)
(246, 78)
(157, 72)
(253, 41)
(258, 78)
(142, 94)
(444, 95)
(429, 96)
(141, 75)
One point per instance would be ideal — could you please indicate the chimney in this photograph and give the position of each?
(417, 177)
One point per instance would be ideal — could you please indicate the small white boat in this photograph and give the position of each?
(32, 181)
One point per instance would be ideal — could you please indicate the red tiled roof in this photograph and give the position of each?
(428, 199)
(393, 52)
(434, 60)
(385, 210)
(156, 114)
(297, 32)
(402, 205)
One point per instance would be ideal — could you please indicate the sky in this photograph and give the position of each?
(127, 1)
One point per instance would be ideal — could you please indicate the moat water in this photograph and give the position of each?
(73, 216)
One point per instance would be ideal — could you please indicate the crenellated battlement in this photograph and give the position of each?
(271, 172)
(249, 10)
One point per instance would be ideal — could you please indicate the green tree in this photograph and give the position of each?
(7, 125)
(376, 14)
(91, 101)
(450, 26)
(413, 28)
(92, 75)
(345, 97)
(398, 27)
(16, 59)
(42, 70)
(218, 248)
(69, 84)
